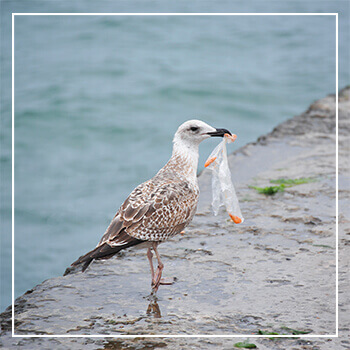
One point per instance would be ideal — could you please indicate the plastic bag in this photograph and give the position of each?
(222, 187)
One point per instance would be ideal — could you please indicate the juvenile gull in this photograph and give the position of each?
(160, 207)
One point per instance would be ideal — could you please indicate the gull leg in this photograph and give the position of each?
(158, 274)
(158, 280)
(150, 256)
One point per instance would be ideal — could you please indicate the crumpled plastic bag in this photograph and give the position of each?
(222, 187)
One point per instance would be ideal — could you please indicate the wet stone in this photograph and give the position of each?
(273, 273)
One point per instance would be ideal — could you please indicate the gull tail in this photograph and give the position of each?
(103, 251)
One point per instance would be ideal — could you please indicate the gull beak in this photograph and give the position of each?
(219, 133)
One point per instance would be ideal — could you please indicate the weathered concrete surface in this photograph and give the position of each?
(275, 270)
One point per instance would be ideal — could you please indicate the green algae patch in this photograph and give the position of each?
(323, 246)
(269, 190)
(293, 182)
(295, 331)
(245, 345)
(261, 332)
(289, 331)
(282, 184)
(267, 333)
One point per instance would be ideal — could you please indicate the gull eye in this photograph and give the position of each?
(194, 128)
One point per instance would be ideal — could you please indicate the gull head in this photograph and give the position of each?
(193, 132)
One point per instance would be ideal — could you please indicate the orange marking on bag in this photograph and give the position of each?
(209, 161)
(235, 219)
(231, 137)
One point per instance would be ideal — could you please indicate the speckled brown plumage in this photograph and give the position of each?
(155, 210)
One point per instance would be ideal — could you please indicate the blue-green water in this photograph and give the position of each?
(98, 99)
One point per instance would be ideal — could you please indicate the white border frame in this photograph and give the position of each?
(170, 335)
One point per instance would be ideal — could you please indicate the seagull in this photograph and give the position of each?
(161, 207)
